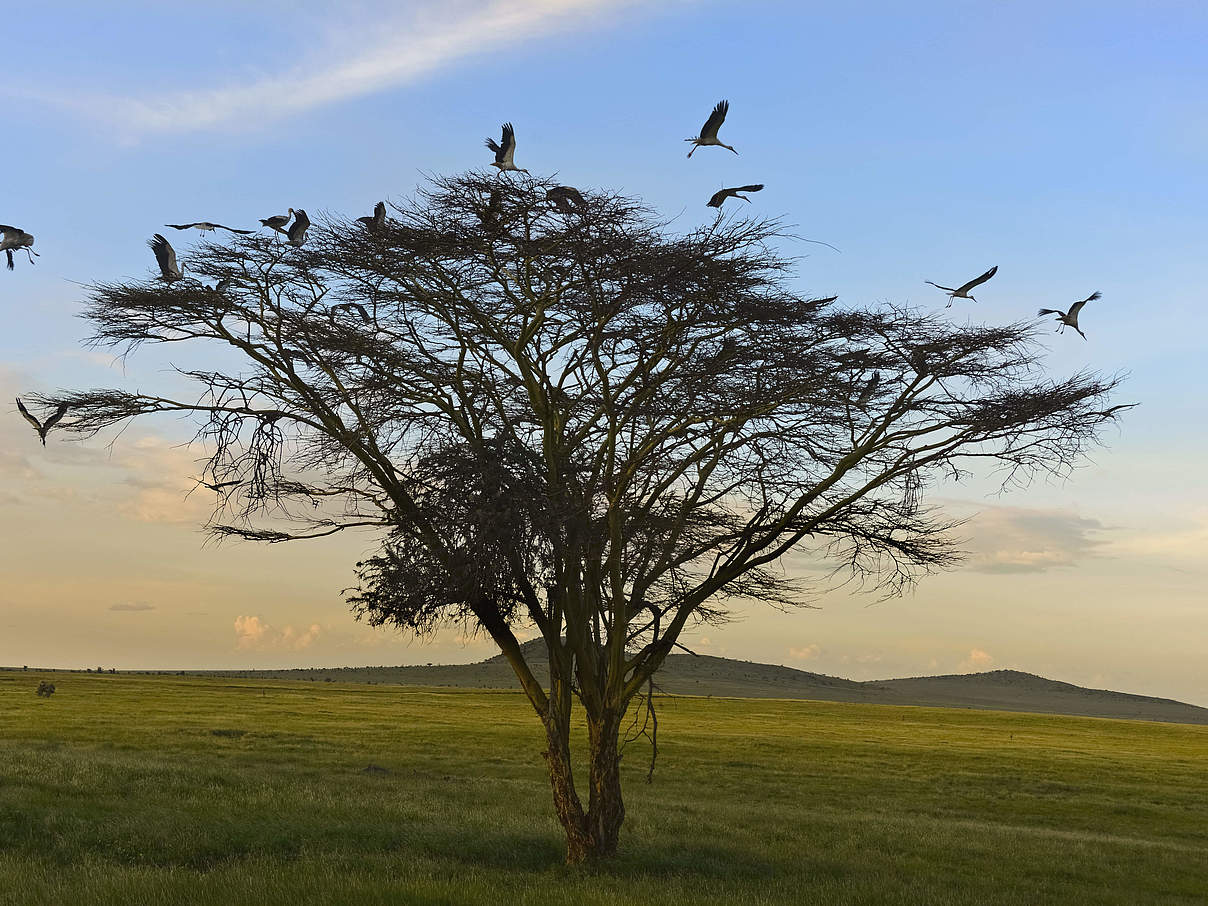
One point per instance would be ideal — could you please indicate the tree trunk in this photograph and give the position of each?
(606, 808)
(590, 835)
(566, 799)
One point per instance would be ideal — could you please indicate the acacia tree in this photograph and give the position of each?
(565, 418)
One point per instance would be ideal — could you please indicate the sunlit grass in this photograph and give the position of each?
(187, 790)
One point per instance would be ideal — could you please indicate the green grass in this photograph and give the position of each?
(186, 790)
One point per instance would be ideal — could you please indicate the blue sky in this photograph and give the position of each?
(1066, 143)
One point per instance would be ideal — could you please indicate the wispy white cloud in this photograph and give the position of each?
(381, 52)
(1008, 539)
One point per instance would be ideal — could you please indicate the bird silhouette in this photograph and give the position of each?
(708, 132)
(43, 428)
(504, 149)
(204, 226)
(166, 256)
(12, 238)
(278, 221)
(962, 292)
(1070, 318)
(377, 221)
(297, 229)
(869, 389)
(721, 195)
(360, 310)
(566, 199)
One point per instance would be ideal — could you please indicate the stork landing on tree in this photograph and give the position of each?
(708, 132)
(11, 238)
(566, 199)
(1070, 318)
(278, 221)
(165, 255)
(297, 229)
(962, 292)
(204, 226)
(722, 194)
(377, 221)
(504, 149)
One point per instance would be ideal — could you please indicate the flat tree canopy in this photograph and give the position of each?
(567, 418)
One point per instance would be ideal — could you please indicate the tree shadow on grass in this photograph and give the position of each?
(694, 860)
(537, 852)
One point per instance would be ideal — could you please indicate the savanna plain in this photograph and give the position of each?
(131, 789)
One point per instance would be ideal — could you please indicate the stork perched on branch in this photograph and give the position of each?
(1070, 318)
(43, 428)
(566, 199)
(377, 221)
(355, 306)
(504, 149)
(869, 389)
(278, 221)
(722, 194)
(708, 132)
(297, 229)
(11, 238)
(204, 226)
(165, 255)
(962, 292)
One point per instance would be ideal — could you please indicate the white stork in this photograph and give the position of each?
(722, 194)
(43, 428)
(1070, 318)
(166, 256)
(377, 221)
(962, 292)
(278, 221)
(204, 226)
(11, 238)
(708, 132)
(297, 229)
(504, 149)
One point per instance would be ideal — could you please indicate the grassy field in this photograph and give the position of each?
(186, 790)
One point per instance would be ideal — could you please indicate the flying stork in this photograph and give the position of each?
(43, 428)
(566, 199)
(708, 132)
(166, 256)
(722, 194)
(297, 229)
(504, 149)
(204, 226)
(1070, 318)
(11, 238)
(377, 221)
(962, 292)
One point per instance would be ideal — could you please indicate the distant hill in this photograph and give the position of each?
(686, 674)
